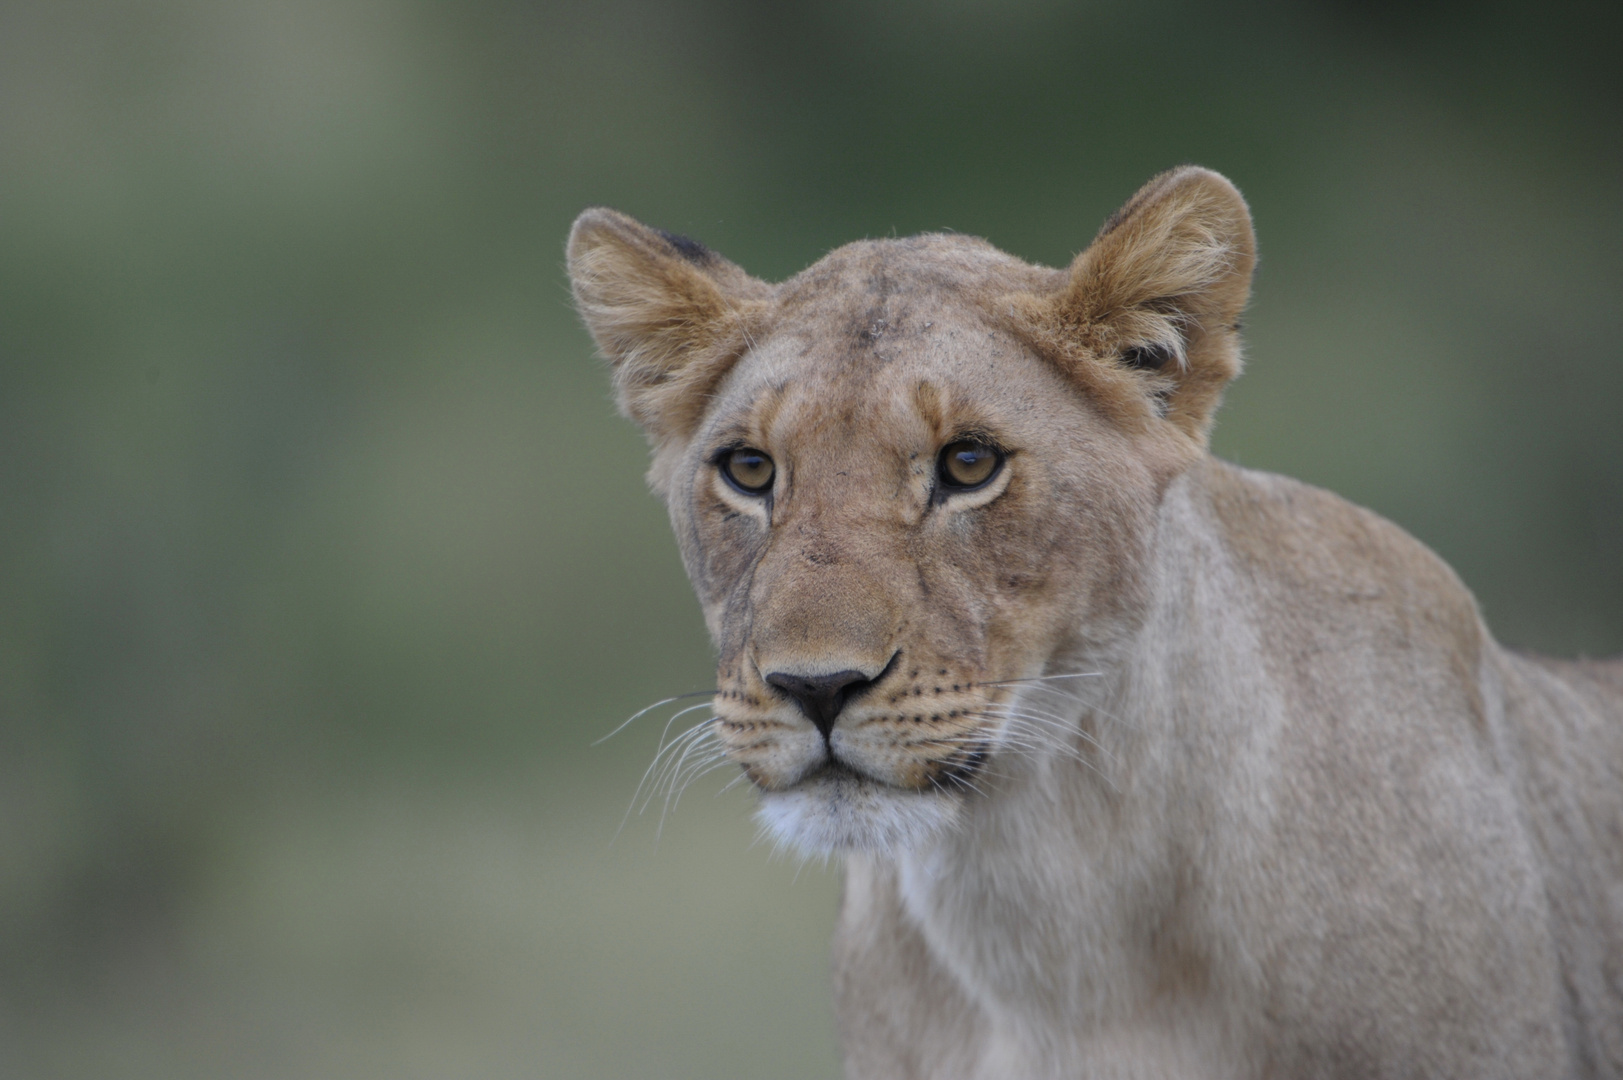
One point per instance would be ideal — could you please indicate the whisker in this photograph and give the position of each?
(1031, 744)
(1060, 727)
(1093, 705)
(674, 780)
(698, 771)
(668, 756)
(694, 759)
(1068, 721)
(668, 782)
(1112, 717)
(1063, 725)
(1033, 710)
(1044, 678)
(652, 775)
(681, 713)
(1048, 735)
(642, 712)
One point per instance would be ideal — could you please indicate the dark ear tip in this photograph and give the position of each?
(687, 247)
(597, 224)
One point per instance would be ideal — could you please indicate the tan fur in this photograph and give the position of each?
(1282, 808)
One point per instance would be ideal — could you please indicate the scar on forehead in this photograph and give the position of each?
(950, 415)
(750, 422)
(927, 399)
(764, 411)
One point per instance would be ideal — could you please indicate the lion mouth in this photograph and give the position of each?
(951, 775)
(834, 770)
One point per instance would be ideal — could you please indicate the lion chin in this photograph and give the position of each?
(835, 811)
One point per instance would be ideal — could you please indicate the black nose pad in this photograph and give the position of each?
(820, 697)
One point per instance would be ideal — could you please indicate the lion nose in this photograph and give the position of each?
(820, 697)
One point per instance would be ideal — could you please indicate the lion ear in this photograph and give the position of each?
(1151, 309)
(670, 316)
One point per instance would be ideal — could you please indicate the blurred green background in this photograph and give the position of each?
(324, 558)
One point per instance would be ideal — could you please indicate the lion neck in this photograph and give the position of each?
(1068, 889)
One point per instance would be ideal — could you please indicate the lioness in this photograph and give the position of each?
(1141, 764)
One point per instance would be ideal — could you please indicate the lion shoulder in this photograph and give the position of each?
(1319, 568)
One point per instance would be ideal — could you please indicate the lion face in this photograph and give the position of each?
(905, 483)
(871, 611)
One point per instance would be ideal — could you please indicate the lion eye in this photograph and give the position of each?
(750, 471)
(968, 464)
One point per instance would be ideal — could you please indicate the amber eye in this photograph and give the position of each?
(750, 471)
(968, 464)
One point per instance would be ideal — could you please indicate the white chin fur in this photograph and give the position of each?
(840, 814)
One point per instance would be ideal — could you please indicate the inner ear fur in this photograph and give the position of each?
(1147, 318)
(670, 316)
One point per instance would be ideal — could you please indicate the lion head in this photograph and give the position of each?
(915, 478)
